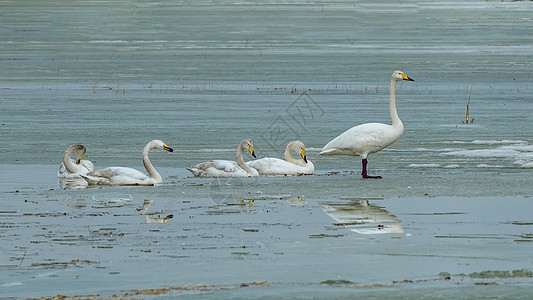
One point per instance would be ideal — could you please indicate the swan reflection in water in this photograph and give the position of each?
(362, 217)
(71, 183)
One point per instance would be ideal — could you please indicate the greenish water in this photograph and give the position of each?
(202, 76)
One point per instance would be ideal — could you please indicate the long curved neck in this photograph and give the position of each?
(392, 105)
(69, 165)
(148, 164)
(240, 159)
(290, 158)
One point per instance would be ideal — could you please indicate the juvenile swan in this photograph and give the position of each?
(289, 166)
(227, 168)
(129, 176)
(370, 137)
(71, 168)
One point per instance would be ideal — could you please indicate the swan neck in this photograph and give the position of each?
(392, 105)
(290, 158)
(148, 164)
(69, 165)
(240, 160)
(288, 155)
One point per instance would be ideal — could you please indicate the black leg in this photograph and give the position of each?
(364, 174)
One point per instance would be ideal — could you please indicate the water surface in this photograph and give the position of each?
(202, 76)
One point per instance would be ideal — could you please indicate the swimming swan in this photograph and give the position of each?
(70, 168)
(129, 176)
(289, 166)
(227, 168)
(370, 137)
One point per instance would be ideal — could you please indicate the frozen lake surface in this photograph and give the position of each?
(450, 218)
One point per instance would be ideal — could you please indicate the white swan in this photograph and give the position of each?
(370, 137)
(289, 166)
(129, 176)
(71, 168)
(227, 168)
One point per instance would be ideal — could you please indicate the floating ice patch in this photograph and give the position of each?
(484, 153)
(487, 142)
(520, 152)
(452, 166)
(15, 283)
(487, 166)
(424, 165)
(526, 149)
(408, 150)
(494, 142)
(425, 150)
(525, 164)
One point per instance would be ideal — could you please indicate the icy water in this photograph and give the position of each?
(450, 218)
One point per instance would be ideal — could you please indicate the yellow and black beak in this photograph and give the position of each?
(169, 216)
(78, 161)
(302, 153)
(251, 149)
(405, 77)
(165, 147)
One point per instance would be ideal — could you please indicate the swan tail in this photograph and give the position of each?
(327, 151)
(195, 171)
(91, 180)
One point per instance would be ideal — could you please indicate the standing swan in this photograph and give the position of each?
(129, 176)
(70, 168)
(370, 137)
(289, 166)
(227, 168)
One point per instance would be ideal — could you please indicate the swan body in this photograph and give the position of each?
(370, 137)
(71, 168)
(227, 168)
(129, 176)
(289, 166)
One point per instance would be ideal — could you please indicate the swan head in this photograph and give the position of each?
(399, 75)
(158, 144)
(80, 151)
(248, 144)
(299, 147)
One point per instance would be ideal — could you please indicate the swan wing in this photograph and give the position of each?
(218, 168)
(84, 167)
(87, 164)
(200, 170)
(362, 140)
(276, 166)
(228, 166)
(62, 170)
(117, 176)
